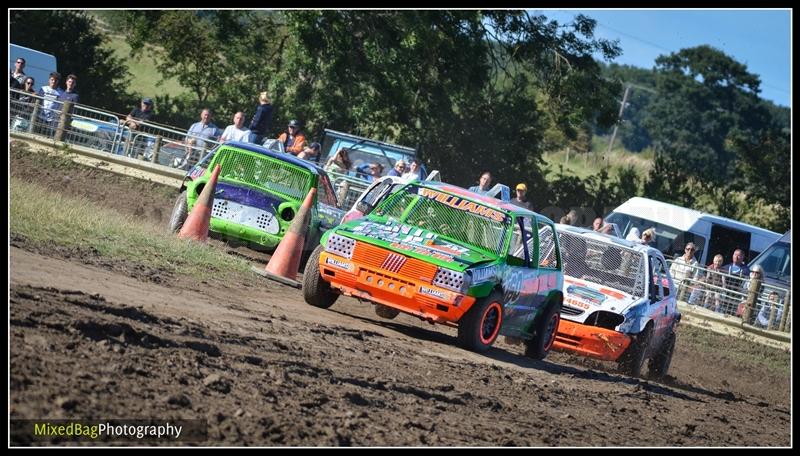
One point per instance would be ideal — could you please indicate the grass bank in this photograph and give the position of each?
(43, 216)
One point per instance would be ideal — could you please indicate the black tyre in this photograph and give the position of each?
(179, 213)
(545, 333)
(317, 291)
(632, 360)
(386, 311)
(479, 327)
(658, 366)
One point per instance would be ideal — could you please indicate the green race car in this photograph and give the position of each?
(449, 256)
(257, 196)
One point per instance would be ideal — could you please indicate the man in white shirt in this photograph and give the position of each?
(684, 267)
(51, 108)
(236, 132)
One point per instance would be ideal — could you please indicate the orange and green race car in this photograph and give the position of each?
(448, 256)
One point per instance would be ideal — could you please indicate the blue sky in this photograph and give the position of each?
(760, 39)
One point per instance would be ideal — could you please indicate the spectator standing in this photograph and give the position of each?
(763, 319)
(143, 113)
(311, 152)
(196, 138)
(413, 171)
(484, 184)
(756, 273)
(236, 132)
(714, 282)
(51, 108)
(17, 80)
(71, 94)
(633, 235)
(370, 171)
(399, 168)
(261, 123)
(735, 285)
(293, 139)
(684, 267)
(27, 87)
(520, 199)
(340, 162)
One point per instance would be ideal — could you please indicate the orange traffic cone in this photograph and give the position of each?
(196, 224)
(283, 264)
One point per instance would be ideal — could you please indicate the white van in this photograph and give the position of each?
(38, 65)
(675, 226)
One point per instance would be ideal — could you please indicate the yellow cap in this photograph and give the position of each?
(522, 187)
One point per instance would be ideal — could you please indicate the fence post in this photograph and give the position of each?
(784, 317)
(752, 297)
(34, 114)
(63, 119)
(683, 288)
(156, 149)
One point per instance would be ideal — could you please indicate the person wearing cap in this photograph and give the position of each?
(310, 152)
(140, 114)
(520, 199)
(262, 119)
(293, 139)
(399, 168)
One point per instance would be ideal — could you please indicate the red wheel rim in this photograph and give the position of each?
(550, 331)
(490, 323)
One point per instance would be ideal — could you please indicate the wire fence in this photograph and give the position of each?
(756, 303)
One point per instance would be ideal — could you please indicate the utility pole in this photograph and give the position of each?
(619, 119)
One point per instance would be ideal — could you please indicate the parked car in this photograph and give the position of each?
(619, 301)
(257, 196)
(448, 256)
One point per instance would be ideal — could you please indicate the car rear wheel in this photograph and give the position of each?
(179, 213)
(633, 359)
(479, 327)
(316, 291)
(659, 364)
(546, 328)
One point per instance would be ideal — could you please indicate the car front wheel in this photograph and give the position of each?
(479, 327)
(633, 359)
(316, 291)
(659, 364)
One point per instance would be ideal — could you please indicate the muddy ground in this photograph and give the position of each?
(96, 340)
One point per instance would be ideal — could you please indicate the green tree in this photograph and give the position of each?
(705, 99)
(72, 37)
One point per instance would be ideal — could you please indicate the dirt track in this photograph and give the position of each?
(93, 340)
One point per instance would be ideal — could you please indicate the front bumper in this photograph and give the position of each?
(404, 293)
(590, 341)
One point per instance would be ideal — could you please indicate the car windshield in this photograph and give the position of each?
(603, 263)
(462, 221)
(776, 262)
(264, 172)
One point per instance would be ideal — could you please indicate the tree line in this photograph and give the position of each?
(471, 90)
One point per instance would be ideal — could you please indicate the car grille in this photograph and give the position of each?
(381, 259)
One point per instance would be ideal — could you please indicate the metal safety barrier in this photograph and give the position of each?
(757, 303)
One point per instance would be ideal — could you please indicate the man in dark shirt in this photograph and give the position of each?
(71, 94)
(143, 113)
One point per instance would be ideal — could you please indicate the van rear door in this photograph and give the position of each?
(725, 240)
